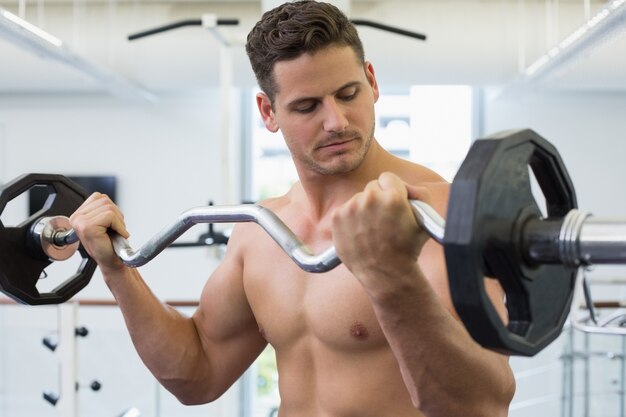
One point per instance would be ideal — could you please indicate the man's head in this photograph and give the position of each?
(293, 29)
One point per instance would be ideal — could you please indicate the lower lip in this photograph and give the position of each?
(337, 146)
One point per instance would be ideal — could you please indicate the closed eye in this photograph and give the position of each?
(348, 96)
(305, 109)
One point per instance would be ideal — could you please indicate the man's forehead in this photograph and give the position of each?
(316, 74)
(325, 56)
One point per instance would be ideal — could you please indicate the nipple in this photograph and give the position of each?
(359, 331)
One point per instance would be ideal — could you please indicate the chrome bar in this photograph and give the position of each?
(429, 219)
(602, 241)
(64, 237)
(285, 238)
(432, 222)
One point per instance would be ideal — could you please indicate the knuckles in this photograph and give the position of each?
(98, 210)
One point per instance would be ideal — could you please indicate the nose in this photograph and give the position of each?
(334, 118)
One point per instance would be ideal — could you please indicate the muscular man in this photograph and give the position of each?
(378, 335)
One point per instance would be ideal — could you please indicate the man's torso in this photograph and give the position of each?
(333, 358)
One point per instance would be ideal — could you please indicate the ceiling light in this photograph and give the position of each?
(580, 43)
(39, 42)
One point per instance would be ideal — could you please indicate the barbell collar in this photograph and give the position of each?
(541, 240)
(43, 234)
(569, 238)
(578, 239)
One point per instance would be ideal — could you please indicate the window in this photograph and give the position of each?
(273, 171)
(441, 126)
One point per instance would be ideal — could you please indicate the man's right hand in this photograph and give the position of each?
(93, 222)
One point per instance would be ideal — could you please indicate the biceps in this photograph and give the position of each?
(224, 311)
(227, 327)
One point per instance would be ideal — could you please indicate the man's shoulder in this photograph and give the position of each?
(276, 204)
(420, 175)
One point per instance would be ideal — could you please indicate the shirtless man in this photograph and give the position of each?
(378, 335)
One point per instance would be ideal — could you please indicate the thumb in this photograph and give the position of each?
(388, 180)
(415, 192)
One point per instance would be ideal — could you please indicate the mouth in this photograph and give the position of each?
(337, 143)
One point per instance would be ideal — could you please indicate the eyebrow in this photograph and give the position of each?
(297, 101)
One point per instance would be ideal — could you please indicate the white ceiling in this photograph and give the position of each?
(471, 42)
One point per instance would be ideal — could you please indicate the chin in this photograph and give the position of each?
(338, 169)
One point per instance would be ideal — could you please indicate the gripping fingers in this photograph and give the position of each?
(93, 221)
(98, 214)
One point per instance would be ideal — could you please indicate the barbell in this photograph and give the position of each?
(494, 228)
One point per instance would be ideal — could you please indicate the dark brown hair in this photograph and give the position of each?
(293, 29)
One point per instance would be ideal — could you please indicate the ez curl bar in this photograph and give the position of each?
(494, 229)
(54, 239)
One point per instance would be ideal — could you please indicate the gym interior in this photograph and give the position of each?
(168, 121)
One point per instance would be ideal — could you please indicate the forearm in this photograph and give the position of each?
(166, 341)
(445, 371)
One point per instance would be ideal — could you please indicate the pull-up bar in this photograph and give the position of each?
(211, 21)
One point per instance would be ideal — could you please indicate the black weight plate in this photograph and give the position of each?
(21, 265)
(490, 200)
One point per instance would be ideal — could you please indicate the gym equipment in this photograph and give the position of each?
(51, 342)
(22, 261)
(64, 397)
(207, 21)
(591, 316)
(494, 228)
(210, 21)
(209, 238)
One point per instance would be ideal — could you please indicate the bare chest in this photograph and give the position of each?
(292, 306)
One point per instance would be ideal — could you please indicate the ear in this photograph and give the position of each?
(266, 111)
(371, 78)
